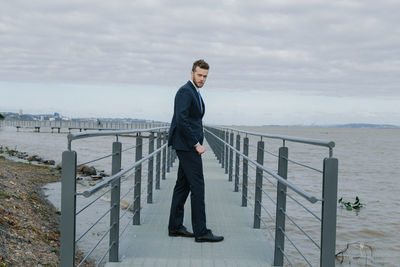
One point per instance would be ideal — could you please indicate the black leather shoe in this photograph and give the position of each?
(209, 237)
(180, 232)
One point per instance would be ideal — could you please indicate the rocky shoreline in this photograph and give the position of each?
(29, 224)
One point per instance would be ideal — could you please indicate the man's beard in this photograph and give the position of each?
(195, 82)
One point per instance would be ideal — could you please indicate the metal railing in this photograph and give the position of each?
(231, 156)
(161, 155)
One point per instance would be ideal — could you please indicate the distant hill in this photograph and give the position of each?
(349, 125)
(367, 125)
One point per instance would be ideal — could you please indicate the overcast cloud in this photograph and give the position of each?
(333, 49)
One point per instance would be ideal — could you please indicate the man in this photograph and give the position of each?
(186, 137)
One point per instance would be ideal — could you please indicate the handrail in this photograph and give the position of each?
(316, 142)
(299, 191)
(161, 156)
(76, 136)
(101, 185)
(222, 139)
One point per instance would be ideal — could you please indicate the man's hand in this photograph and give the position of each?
(200, 149)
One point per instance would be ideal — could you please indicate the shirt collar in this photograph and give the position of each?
(198, 89)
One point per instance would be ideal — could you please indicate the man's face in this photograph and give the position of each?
(199, 76)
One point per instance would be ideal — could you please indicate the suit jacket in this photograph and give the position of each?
(186, 127)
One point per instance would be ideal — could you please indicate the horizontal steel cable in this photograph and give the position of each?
(101, 239)
(94, 160)
(128, 208)
(301, 254)
(129, 223)
(307, 235)
(268, 152)
(104, 255)
(265, 193)
(290, 160)
(269, 180)
(97, 198)
(91, 227)
(129, 148)
(286, 256)
(304, 207)
(122, 172)
(303, 165)
(254, 168)
(266, 227)
(269, 214)
(130, 190)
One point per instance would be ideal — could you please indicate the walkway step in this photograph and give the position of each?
(149, 244)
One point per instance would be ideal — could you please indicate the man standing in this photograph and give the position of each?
(186, 137)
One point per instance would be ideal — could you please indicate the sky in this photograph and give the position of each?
(271, 61)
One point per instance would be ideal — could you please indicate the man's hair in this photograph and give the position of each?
(201, 64)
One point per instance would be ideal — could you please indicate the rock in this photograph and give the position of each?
(34, 158)
(86, 170)
(96, 177)
(102, 174)
(49, 162)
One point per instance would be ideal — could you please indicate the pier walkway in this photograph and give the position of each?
(148, 244)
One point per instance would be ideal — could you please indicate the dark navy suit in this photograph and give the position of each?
(185, 132)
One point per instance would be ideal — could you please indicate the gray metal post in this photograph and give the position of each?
(237, 162)
(226, 151)
(281, 207)
(168, 158)
(245, 171)
(164, 157)
(68, 208)
(218, 145)
(150, 170)
(222, 136)
(230, 157)
(115, 202)
(329, 206)
(138, 182)
(259, 178)
(158, 161)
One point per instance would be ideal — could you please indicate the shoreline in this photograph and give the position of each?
(29, 223)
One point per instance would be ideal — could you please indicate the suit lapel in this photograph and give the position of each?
(196, 96)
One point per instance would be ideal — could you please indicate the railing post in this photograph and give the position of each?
(68, 208)
(115, 202)
(226, 151)
(259, 182)
(245, 171)
(150, 170)
(237, 162)
(281, 207)
(158, 161)
(230, 157)
(222, 136)
(219, 146)
(138, 182)
(168, 158)
(164, 156)
(329, 206)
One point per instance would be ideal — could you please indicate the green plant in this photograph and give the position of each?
(356, 205)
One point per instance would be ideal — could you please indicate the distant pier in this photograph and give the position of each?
(56, 126)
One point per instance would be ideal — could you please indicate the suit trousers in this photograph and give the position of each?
(190, 179)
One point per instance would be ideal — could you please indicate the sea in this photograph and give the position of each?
(368, 169)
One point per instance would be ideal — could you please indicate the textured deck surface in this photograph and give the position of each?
(149, 244)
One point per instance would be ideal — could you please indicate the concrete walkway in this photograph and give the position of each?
(150, 245)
